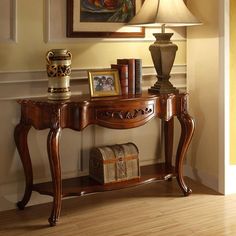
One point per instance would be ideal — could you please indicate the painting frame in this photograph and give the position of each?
(104, 83)
(77, 29)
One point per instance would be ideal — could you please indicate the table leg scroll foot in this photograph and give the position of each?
(55, 214)
(20, 205)
(188, 192)
(52, 221)
(185, 189)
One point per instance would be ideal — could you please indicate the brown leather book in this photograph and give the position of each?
(131, 73)
(123, 74)
(138, 76)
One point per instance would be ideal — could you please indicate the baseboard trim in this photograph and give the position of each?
(202, 177)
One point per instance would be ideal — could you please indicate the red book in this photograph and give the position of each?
(131, 73)
(123, 74)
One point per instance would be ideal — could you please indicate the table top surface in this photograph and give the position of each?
(86, 98)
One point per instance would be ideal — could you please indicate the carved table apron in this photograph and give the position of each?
(111, 112)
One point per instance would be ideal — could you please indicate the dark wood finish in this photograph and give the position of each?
(169, 136)
(20, 135)
(83, 185)
(70, 33)
(121, 112)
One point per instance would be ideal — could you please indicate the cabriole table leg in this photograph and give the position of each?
(55, 167)
(187, 129)
(169, 133)
(20, 135)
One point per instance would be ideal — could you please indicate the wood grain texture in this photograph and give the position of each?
(152, 209)
(122, 112)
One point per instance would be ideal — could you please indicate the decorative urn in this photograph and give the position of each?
(58, 71)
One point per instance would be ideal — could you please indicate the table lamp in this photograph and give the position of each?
(163, 13)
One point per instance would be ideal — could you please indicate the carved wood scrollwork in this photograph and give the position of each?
(124, 115)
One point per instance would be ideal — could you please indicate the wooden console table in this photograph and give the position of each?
(112, 112)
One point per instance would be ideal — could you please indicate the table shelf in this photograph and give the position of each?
(84, 185)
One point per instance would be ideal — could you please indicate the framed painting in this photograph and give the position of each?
(102, 19)
(104, 83)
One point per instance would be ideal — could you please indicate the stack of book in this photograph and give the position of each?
(130, 73)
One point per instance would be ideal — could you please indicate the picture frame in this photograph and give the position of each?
(104, 83)
(86, 26)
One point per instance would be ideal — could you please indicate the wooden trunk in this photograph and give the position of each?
(115, 163)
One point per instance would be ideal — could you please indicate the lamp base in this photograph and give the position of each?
(163, 86)
(163, 55)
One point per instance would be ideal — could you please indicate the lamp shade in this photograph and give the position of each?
(164, 12)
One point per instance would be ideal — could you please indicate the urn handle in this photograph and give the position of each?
(70, 54)
(48, 54)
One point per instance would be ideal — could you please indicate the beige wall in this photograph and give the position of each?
(203, 83)
(22, 74)
(211, 84)
(29, 52)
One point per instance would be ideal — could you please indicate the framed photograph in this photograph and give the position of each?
(104, 83)
(102, 18)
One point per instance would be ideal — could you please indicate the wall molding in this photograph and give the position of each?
(26, 76)
(21, 84)
(8, 21)
(226, 169)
